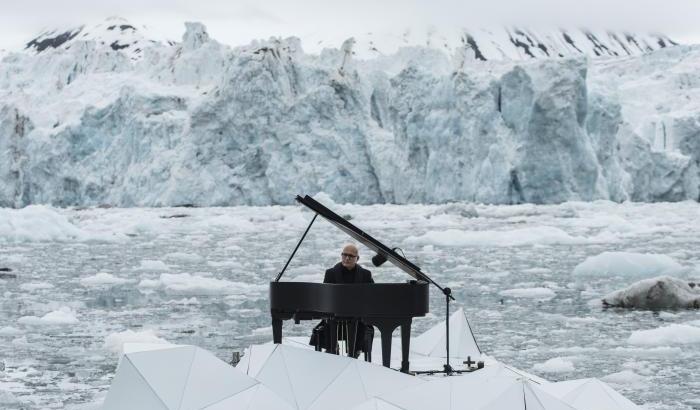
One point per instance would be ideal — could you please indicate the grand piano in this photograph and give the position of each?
(385, 306)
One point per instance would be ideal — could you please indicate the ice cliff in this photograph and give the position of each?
(89, 120)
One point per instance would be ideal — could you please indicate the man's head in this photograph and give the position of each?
(349, 256)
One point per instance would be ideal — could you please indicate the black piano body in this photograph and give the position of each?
(383, 305)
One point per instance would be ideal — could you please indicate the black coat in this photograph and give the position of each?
(338, 274)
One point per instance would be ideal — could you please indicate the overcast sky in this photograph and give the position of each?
(237, 22)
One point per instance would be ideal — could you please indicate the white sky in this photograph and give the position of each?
(237, 22)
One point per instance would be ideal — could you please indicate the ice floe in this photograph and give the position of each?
(627, 264)
(540, 235)
(115, 342)
(675, 334)
(555, 365)
(194, 285)
(103, 279)
(662, 292)
(533, 293)
(64, 316)
(39, 223)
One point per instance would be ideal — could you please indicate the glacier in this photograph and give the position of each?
(201, 123)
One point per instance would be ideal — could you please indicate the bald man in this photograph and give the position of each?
(347, 270)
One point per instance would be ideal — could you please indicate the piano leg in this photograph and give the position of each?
(333, 339)
(386, 328)
(386, 345)
(277, 330)
(405, 345)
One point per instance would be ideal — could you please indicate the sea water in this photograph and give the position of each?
(89, 279)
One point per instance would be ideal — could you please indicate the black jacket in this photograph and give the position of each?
(365, 333)
(338, 274)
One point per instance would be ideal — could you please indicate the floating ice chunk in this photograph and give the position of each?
(627, 264)
(149, 284)
(30, 287)
(184, 257)
(38, 223)
(61, 317)
(537, 271)
(664, 336)
(555, 365)
(184, 301)
(10, 331)
(534, 293)
(153, 265)
(186, 284)
(115, 341)
(540, 235)
(662, 292)
(626, 378)
(103, 279)
(650, 352)
(465, 210)
(7, 397)
(325, 199)
(234, 223)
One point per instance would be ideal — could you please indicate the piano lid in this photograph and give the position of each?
(364, 238)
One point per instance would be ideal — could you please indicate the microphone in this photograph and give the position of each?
(379, 259)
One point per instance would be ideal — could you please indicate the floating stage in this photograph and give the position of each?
(292, 375)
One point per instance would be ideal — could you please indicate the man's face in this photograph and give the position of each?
(349, 257)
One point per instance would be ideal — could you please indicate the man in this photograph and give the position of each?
(346, 271)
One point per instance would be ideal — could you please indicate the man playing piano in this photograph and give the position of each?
(347, 271)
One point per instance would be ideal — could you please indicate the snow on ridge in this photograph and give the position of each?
(115, 32)
(499, 43)
(468, 43)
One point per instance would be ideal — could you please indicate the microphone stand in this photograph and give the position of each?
(447, 369)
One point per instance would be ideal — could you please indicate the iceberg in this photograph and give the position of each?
(630, 264)
(663, 292)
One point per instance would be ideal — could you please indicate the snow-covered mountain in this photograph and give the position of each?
(115, 32)
(510, 43)
(198, 122)
(502, 43)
